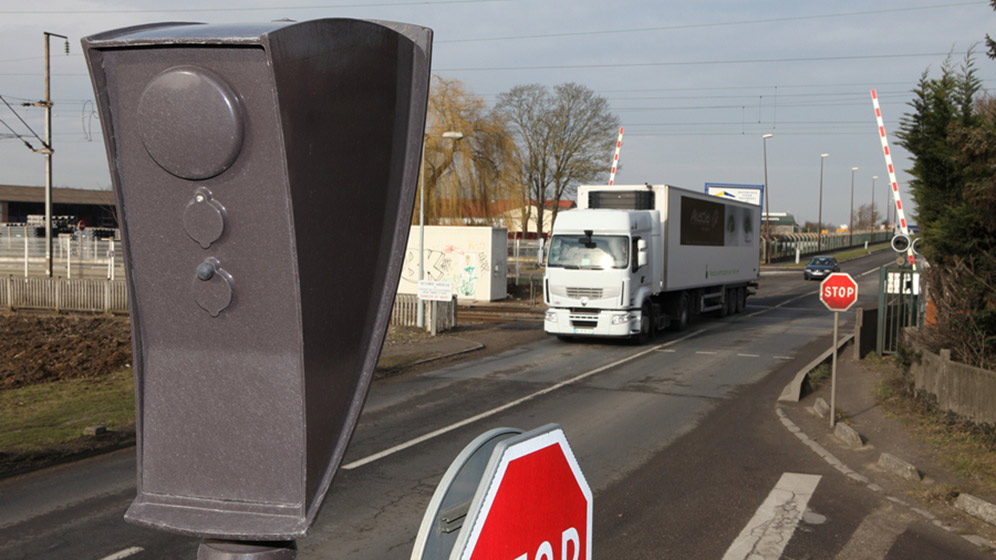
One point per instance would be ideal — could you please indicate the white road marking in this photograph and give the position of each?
(124, 553)
(774, 523)
(867, 272)
(749, 355)
(784, 358)
(668, 350)
(876, 534)
(705, 352)
(784, 303)
(436, 433)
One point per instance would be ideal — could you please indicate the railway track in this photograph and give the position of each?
(472, 314)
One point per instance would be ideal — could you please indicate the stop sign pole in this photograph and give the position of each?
(838, 292)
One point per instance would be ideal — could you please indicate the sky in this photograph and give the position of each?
(695, 84)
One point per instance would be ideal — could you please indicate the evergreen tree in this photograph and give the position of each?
(952, 137)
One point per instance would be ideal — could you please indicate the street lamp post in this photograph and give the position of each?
(850, 219)
(819, 219)
(453, 135)
(767, 206)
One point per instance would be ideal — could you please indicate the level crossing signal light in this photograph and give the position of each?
(265, 179)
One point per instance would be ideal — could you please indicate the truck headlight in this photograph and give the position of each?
(551, 316)
(620, 319)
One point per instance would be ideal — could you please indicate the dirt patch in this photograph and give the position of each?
(39, 348)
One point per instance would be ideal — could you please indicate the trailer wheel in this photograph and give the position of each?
(646, 324)
(680, 313)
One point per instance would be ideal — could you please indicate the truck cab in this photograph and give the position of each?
(598, 273)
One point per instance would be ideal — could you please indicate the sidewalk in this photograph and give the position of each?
(918, 481)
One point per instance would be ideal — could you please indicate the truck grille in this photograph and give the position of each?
(583, 320)
(591, 293)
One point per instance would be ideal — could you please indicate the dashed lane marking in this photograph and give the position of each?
(124, 553)
(749, 355)
(774, 523)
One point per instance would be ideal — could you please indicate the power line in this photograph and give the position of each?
(22, 122)
(714, 24)
(697, 62)
(263, 9)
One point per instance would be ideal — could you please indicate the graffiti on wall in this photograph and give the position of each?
(459, 267)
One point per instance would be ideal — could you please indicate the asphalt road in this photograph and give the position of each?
(678, 439)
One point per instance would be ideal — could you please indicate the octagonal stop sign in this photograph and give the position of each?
(533, 503)
(839, 291)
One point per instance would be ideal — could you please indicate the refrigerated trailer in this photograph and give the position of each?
(634, 259)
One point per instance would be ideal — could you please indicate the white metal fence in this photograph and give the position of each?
(406, 312)
(63, 294)
(72, 256)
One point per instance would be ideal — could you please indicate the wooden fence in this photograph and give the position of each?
(62, 294)
(406, 312)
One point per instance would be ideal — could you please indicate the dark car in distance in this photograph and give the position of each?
(821, 267)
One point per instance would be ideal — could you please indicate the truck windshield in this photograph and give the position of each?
(604, 251)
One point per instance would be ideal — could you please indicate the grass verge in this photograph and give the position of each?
(39, 418)
(967, 448)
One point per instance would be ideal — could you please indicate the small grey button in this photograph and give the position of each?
(205, 271)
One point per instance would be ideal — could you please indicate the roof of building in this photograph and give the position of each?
(16, 193)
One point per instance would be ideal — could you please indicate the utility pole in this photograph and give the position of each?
(47, 149)
(872, 218)
(819, 219)
(767, 207)
(850, 219)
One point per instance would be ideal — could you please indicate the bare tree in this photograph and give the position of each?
(865, 217)
(470, 175)
(563, 138)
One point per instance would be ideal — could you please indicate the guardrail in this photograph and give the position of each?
(63, 294)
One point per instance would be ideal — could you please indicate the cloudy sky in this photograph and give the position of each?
(696, 84)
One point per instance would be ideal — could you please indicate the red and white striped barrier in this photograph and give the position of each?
(615, 160)
(900, 214)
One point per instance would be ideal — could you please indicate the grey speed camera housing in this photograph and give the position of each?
(265, 176)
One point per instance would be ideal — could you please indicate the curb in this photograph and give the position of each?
(970, 505)
(862, 479)
(477, 346)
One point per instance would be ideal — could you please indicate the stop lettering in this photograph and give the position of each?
(839, 291)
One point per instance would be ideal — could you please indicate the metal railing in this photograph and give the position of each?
(73, 256)
(63, 294)
(406, 310)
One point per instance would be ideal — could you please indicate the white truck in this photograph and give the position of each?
(632, 260)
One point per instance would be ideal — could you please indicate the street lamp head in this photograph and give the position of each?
(454, 135)
(874, 176)
(824, 155)
(854, 169)
(766, 136)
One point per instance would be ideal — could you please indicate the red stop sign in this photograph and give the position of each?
(839, 291)
(538, 505)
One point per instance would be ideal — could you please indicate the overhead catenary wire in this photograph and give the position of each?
(45, 144)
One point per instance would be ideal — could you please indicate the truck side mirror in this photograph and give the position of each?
(641, 253)
(265, 177)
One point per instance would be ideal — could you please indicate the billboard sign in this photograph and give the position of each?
(751, 194)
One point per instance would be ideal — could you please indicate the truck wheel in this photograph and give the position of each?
(680, 313)
(646, 324)
(741, 299)
(724, 309)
